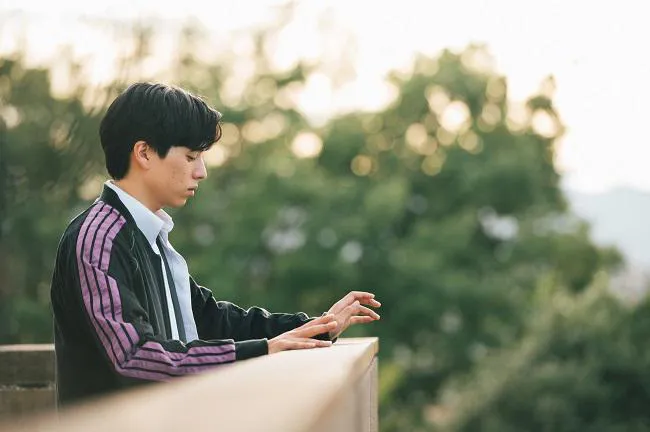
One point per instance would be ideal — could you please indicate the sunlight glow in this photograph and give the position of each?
(416, 135)
(362, 165)
(470, 142)
(307, 145)
(517, 117)
(491, 114)
(216, 156)
(253, 132)
(587, 83)
(477, 60)
(437, 98)
(456, 117)
(432, 165)
(229, 134)
(495, 89)
(445, 137)
(544, 125)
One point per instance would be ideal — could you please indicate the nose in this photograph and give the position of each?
(200, 172)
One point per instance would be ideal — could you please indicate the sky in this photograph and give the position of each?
(595, 50)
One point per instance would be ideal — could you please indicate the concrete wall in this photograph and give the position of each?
(26, 379)
(319, 390)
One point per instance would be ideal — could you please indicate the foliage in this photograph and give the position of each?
(582, 366)
(446, 204)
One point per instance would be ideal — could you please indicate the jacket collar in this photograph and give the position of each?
(109, 196)
(150, 224)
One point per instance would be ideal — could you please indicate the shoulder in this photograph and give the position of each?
(99, 226)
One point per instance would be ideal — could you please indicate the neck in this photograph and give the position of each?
(139, 192)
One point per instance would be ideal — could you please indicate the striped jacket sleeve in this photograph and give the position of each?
(117, 319)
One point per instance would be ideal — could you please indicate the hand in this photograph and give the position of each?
(300, 338)
(349, 310)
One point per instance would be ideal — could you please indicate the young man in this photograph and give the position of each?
(126, 310)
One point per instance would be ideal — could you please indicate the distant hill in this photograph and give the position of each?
(619, 217)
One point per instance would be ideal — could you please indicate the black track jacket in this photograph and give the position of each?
(111, 319)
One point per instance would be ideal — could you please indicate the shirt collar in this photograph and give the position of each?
(151, 224)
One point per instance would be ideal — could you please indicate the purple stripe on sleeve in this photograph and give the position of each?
(84, 271)
(226, 352)
(190, 364)
(194, 350)
(116, 308)
(110, 309)
(101, 303)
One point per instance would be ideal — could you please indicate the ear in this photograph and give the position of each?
(141, 155)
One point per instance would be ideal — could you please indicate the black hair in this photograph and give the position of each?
(163, 116)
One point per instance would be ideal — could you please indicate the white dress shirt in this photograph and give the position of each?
(160, 224)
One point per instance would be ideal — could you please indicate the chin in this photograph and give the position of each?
(178, 203)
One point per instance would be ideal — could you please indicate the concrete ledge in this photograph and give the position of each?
(26, 365)
(26, 379)
(293, 391)
(19, 401)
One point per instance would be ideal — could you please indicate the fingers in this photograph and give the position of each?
(296, 345)
(320, 320)
(320, 343)
(353, 296)
(303, 343)
(361, 319)
(362, 297)
(297, 339)
(356, 309)
(372, 302)
(351, 309)
(315, 329)
(367, 311)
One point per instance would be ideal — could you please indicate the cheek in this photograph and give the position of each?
(174, 175)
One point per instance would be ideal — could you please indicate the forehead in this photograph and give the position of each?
(181, 149)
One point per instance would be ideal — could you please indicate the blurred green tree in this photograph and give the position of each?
(48, 154)
(446, 204)
(581, 366)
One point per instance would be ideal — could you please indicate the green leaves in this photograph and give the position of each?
(581, 367)
(445, 204)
